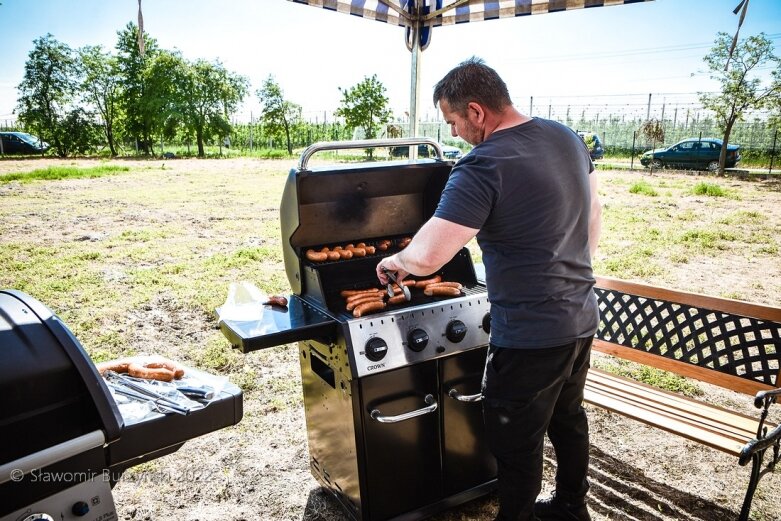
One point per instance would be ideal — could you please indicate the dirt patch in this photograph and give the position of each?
(259, 469)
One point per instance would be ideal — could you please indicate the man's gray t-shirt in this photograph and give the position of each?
(527, 189)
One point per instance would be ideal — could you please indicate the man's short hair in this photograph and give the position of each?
(472, 80)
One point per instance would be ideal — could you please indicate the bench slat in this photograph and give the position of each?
(740, 427)
(713, 426)
(732, 438)
(710, 439)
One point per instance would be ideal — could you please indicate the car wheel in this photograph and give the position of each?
(657, 164)
(713, 166)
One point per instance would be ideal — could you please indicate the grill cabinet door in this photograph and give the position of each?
(402, 458)
(467, 462)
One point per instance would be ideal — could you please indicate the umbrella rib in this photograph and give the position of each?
(404, 14)
(438, 12)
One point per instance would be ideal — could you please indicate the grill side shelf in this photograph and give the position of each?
(279, 326)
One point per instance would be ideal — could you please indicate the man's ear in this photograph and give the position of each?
(475, 112)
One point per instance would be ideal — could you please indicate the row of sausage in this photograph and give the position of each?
(371, 300)
(349, 251)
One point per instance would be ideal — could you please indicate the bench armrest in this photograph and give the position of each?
(764, 398)
(764, 439)
(759, 445)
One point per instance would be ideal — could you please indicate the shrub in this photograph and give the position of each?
(643, 188)
(709, 189)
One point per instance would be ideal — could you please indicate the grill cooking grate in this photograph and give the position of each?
(418, 300)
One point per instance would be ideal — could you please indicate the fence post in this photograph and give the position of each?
(632, 161)
(773, 152)
(648, 112)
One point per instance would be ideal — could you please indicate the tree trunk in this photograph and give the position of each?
(287, 136)
(110, 139)
(199, 139)
(724, 144)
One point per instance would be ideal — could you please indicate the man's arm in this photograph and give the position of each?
(433, 246)
(595, 215)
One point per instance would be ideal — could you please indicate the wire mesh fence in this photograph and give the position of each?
(616, 122)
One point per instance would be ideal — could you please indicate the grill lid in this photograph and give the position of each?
(340, 204)
(49, 388)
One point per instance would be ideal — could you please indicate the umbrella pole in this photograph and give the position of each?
(414, 90)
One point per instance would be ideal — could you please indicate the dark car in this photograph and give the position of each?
(448, 152)
(692, 153)
(594, 145)
(21, 143)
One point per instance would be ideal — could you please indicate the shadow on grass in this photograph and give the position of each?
(618, 491)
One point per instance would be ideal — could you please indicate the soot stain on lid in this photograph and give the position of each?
(352, 206)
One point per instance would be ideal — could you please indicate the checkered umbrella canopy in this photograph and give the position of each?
(418, 17)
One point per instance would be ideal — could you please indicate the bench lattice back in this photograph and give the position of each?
(722, 341)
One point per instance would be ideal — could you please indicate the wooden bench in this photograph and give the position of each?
(728, 343)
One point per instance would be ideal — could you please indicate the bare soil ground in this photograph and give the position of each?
(259, 469)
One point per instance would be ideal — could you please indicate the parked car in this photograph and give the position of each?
(449, 152)
(593, 144)
(22, 143)
(692, 153)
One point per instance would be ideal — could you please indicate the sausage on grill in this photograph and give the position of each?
(316, 256)
(456, 285)
(368, 307)
(442, 291)
(426, 282)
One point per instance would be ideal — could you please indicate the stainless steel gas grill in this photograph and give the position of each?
(392, 398)
(65, 441)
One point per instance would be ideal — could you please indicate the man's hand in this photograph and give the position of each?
(432, 247)
(393, 265)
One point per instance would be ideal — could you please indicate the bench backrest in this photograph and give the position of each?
(733, 344)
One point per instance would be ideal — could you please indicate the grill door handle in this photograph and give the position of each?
(429, 399)
(465, 397)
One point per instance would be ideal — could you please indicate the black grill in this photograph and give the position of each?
(392, 398)
(64, 438)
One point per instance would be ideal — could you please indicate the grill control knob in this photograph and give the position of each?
(487, 323)
(80, 508)
(376, 349)
(456, 331)
(417, 340)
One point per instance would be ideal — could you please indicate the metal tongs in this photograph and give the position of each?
(404, 289)
(129, 388)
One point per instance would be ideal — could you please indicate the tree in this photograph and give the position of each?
(102, 88)
(741, 89)
(365, 106)
(211, 94)
(134, 97)
(653, 131)
(80, 133)
(774, 121)
(278, 114)
(48, 90)
(165, 77)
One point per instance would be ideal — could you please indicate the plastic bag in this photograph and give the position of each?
(244, 302)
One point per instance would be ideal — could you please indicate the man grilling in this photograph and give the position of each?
(528, 191)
